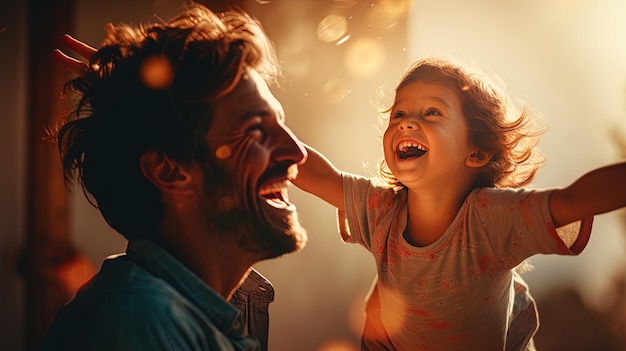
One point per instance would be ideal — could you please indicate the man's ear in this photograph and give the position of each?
(478, 158)
(165, 173)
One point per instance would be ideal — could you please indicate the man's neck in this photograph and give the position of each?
(218, 264)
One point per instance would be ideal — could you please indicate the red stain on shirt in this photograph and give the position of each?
(481, 201)
(421, 313)
(438, 325)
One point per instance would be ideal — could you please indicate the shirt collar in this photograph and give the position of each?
(159, 262)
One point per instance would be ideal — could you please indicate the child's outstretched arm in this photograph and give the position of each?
(599, 191)
(319, 177)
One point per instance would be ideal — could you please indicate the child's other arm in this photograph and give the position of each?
(599, 191)
(320, 178)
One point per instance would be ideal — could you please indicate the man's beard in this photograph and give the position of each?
(257, 236)
(241, 223)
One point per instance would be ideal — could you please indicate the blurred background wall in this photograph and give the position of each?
(566, 58)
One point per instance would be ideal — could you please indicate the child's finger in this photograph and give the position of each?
(79, 47)
(70, 63)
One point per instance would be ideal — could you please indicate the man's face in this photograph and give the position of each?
(252, 154)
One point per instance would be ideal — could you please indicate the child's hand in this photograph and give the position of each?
(82, 49)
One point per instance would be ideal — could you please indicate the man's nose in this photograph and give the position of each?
(289, 148)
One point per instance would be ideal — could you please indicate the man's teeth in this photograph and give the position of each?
(274, 191)
(275, 196)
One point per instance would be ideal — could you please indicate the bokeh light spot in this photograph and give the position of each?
(331, 28)
(296, 63)
(364, 57)
(335, 90)
(343, 40)
(294, 49)
(226, 203)
(156, 72)
(223, 152)
(387, 13)
(394, 302)
(338, 345)
(356, 313)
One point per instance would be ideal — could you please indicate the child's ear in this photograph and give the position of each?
(478, 158)
(165, 173)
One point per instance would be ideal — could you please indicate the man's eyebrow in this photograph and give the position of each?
(245, 116)
(264, 113)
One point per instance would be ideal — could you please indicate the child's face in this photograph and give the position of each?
(426, 142)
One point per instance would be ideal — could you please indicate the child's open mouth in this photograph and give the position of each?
(410, 149)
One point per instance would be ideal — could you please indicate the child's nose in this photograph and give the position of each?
(409, 123)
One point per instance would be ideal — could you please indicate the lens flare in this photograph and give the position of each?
(223, 152)
(331, 28)
(364, 57)
(335, 90)
(156, 72)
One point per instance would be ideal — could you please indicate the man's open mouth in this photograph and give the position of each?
(275, 194)
(410, 149)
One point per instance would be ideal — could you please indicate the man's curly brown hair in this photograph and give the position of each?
(118, 116)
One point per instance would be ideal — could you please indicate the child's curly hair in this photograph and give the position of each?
(495, 125)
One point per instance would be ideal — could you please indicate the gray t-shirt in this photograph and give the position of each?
(462, 292)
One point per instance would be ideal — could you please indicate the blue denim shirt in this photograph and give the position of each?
(147, 300)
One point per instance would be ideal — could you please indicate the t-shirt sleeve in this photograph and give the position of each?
(518, 224)
(368, 207)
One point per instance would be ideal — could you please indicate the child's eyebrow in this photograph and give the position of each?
(440, 101)
(428, 99)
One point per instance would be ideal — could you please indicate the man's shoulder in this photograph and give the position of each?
(123, 289)
(127, 303)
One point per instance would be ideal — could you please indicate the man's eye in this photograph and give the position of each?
(256, 132)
